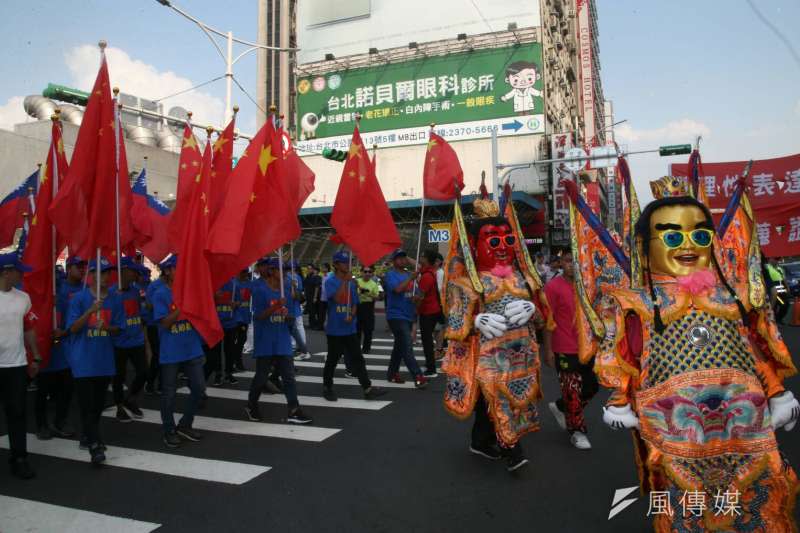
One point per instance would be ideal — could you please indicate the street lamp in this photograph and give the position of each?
(228, 55)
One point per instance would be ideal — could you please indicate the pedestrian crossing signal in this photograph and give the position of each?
(334, 155)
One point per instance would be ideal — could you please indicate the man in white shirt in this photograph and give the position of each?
(16, 331)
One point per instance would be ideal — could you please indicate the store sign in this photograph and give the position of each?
(586, 72)
(467, 95)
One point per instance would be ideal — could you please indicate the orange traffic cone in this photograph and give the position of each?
(795, 320)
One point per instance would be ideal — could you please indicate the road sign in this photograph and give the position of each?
(438, 235)
(607, 156)
(675, 149)
(575, 153)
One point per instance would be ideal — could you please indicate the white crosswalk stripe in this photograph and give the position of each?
(387, 345)
(305, 401)
(380, 357)
(245, 427)
(147, 461)
(24, 516)
(337, 380)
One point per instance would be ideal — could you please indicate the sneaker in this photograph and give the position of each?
(558, 415)
(44, 433)
(253, 414)
(580, 441)
(218, 381)
(396, 379)
(230, 380)
(420, 382)
(349, 374)
(329, 395)
(189, 434)
(429, 374)
(172, 440)
(62, 432)
(22, 469)
(303, 356)
(297, 417)
(370, 393)
(131, 406)
(83, 443)
(122, 415)
(489, 451)
(515, 459)
(98, 455)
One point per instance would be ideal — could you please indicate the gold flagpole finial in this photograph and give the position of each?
(235, 109)
(102, 44)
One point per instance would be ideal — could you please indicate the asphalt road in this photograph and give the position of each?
(403, 467)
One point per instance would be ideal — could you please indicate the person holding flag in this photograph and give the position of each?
(153, 336)
(296, 296)
(341, 331)
(226, 299)
(182, 347)
(243, 317)
(272, 341)
(92, 319)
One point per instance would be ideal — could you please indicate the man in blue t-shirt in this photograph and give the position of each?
(55, 380)
(153, 385)
(296, 296)
(180, 347)
(242, 316)
(340, 328)
(225, 299)
(129, 345)
(400, 314)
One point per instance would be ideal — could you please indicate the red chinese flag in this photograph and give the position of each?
(83, 209)
(221, 168)
(43, 247)
(192, 290)
(360, 215)
(301, 178)
(442, 178)
(188, 172)
(259, 214)
(127, 231)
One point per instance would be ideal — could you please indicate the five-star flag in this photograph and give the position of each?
(221, 168)
(442, 177)
(188, 172)
(361, 217)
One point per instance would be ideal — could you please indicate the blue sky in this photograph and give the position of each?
(673, 69)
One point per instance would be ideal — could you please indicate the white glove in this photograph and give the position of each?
(519, 312)
(785, 410)
(490, 324)
(620, 417)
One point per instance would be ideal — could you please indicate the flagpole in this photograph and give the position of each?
(350, 274)
(117, 105)
(280, 270)
(53, 243)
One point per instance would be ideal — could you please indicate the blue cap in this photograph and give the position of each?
(104, 265)
(341, 257)
(169, 262)
(11, 260)
(128, 262)
(270, 261)
(399, 253)
(75, 260)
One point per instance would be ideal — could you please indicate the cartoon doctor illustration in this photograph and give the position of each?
(522, 76)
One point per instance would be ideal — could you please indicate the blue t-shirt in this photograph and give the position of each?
(271, 335)
(242, 314)
(337, 325)
(224, 300)
(132, 334)
(399, 306)
(148, 296)
(180, 342)
(91, 351)
(58, 355)
(295, 307)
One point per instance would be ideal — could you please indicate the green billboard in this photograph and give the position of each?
(500, 88)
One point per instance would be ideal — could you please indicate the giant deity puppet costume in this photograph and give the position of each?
(675, 314)
(493, 297)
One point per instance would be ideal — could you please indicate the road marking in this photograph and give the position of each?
(380, 357)
(305, 401)
(314, 364)
(18, 516)
(338, 381)
(158, 462)
(245, 427)
(387, 345)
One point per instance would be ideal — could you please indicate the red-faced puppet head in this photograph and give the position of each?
(492, 242)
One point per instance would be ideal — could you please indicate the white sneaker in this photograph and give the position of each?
(580, 441)
(558, 415)
(303, 356)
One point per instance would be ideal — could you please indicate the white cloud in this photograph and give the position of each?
(12, 113)
(678, 131)
(138, 78)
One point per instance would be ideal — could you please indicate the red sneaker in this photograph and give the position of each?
(420, 382)
(396, 379)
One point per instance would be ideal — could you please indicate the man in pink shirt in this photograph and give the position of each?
(578, 382)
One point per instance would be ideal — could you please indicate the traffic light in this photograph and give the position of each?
(675, 149)
(334, 155)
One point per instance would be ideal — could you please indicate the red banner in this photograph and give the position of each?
(774, 192)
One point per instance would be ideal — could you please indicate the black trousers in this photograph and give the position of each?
(366, 325)
(482, 429)
(214, 354)
(284, 367)
(314, 314)
(91, 400)
(427, 326)
(348, 346)
(238, 345)
(13, 388)
(138, 359)
(57, 386)
(153, 372)
(322, 314)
